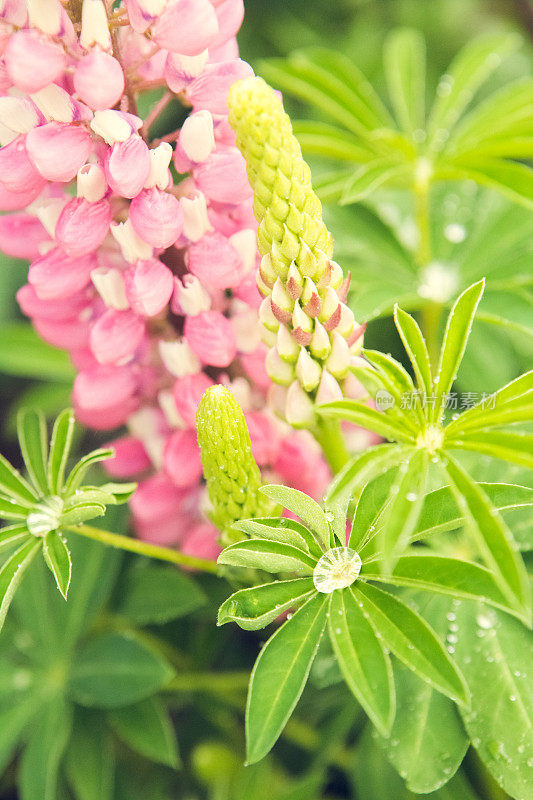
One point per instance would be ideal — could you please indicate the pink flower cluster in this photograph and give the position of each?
(144, 274)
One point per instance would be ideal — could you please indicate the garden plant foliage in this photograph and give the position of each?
(372, 641)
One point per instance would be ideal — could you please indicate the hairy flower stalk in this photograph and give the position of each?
(311, 333)
(232, 475)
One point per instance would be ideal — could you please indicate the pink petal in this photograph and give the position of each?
(215, 262)
(265, 441)
(201, 542)
(17, 172)
(130, 458)
(13, 201)
(230, 14)
(181, 459)
(211, 337)
(21, 235)
(223, 177)
(56, 275)
(116, 336)
(188, 392)
(149, 286)
(99, 80)
(254, 366)
(156, 217)
(83, 226)
(210, 89)
(58, 150)
(67, 334)
(186, 27)
(66, 308)
(128, 166)
(103, 387)
(33, 60)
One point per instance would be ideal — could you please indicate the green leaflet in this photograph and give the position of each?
(257, 606)
(411, 639)
(90, 757)
(280, 529)
(60, 449)
(153, 595)
(495, 653)
(12, 572)
(304, 507)
(416, 348)
(405, 67)
(268, 555)
(31, 427)
(362, 658)
(57, 556)
(280, 674)
(147, 728)
(39, 767)
(427, 741)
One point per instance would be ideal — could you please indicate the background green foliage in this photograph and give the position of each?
(70, 735)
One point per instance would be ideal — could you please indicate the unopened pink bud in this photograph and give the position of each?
(91, 183)
(66, 308)
(201, 542)
(265, 442)
(181, 459)
(196, 139)
(195, 219)
(186, 27)
(211, 337)
(83, 226)
(21, 235)
(99, 79)
(188, 392)
(130, 458)
(181, 70)
(56, 275)
(116, 336)
(213, 177)
(156, 217)
(210, 89)
(104, 397)
(215, 261)
(128, 166)
(33, 60)
(58, 150)
(190, 297)
(17, 168)
(149, 286)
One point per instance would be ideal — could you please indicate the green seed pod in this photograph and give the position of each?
(232, 475)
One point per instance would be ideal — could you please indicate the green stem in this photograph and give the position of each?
(143, 548)
(210, 682)
(329, 436)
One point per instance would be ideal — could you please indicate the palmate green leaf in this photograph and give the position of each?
(115, 669)
(303, 506)
(153, 595)
(78, 473)
(512, 179)
(495, 653)
(360, 414)
(514, 447)
(467, 72)
(440, 512)
(13, 535)
(322, 139)
(411, 639)
(13, 484)
(57, 557)
(280, 529)
(520, 389)
(406, 500)
(405, 69)
(12, 572)
(33, 440)
(405, 426)
(416, 349)
(80, 512)
(90, 759)
(40, 763)
(427, 741)
(256, 607)
(458, 327)
(493, 538)
(146, 727)
(362, 658)
(443, 575)
(9, 509)
(268, 555)
(280, 674)
(394, 376)
(120, 492)
(59, 449)
(370, 177)
(519, 410)
(15, 716)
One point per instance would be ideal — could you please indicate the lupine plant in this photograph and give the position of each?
(337, 451)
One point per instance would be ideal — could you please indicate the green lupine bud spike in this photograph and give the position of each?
(296, 247)
(232, 475)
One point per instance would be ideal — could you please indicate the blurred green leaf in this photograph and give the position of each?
(147, 728)
(115, 669)
(59, 449)
(23, 352)
(39, 766)
(33, 440)
(12, 573)
(90, 759)
(152, 595)
(405, 70)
